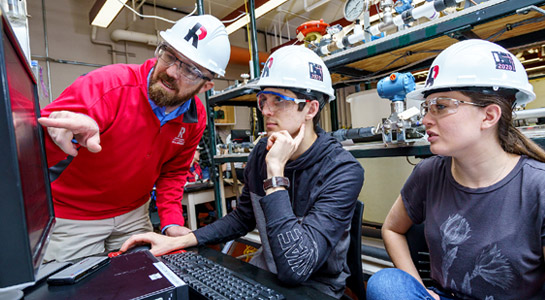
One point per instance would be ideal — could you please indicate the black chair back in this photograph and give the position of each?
(420, 252)
(355, 281)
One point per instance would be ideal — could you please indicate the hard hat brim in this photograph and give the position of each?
(523, 96)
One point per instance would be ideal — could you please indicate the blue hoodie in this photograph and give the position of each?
(305, 230)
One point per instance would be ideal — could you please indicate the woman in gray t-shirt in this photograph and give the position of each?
(482, 198)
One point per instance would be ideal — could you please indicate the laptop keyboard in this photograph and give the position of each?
(214, 281)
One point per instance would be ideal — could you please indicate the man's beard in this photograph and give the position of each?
(162, 98)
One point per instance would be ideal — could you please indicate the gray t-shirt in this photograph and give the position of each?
(485, 243)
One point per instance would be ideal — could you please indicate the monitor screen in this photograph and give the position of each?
(26, 210)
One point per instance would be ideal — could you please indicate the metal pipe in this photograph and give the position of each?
(48, 65)
(140, 5)
(239, 55)
(525, 10)
(200, 7)
(95, 41)
(63, 61)
(428, 10)
(288, 29)
(529, 113)
(357, 36)
(255, 55)
(334, 116)
(133, 15)
(212, 132)
(342, 109)
(133, 36)
(354, 133)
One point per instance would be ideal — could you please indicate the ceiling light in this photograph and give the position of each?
(105, 11)
(260, 11)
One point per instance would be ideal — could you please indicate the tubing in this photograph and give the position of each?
(354, 133)
(529, 113)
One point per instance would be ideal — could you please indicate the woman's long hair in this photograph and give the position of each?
(511, 139)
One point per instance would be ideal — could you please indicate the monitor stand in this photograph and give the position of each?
(11, 295)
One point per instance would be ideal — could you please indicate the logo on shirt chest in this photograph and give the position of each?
(179, 139)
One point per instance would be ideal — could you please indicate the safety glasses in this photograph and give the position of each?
(189, 71)
(442, 106)
(276, 101)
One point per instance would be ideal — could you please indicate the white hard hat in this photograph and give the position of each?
(202, 39)
(297, 67)
(477, 63)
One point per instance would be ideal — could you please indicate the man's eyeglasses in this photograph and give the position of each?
(276, 101)
(189, 71)
(442, 106)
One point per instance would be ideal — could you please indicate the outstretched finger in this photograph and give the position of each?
(65, 123)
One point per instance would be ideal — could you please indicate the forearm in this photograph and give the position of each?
(188, 240)
(298, 250)
(398, 249)
(222, 230)
(170, 210)
(236, 224)
(170, 192)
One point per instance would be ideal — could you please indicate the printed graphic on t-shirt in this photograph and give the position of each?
(490, 265)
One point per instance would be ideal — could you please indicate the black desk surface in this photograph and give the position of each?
(44, 291)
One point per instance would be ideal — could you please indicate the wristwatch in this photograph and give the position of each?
(276, 181)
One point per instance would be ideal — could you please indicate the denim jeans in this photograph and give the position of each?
(397, 284)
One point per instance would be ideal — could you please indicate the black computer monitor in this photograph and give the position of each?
(241, 135)
(26, 209)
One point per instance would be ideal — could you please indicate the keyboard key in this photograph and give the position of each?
(214, 281)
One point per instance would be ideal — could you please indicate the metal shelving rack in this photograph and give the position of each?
(420, 44)
(494, 14)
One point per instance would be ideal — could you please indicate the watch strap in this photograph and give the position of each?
(276, 181)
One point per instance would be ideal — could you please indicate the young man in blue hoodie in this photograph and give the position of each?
(301, 185)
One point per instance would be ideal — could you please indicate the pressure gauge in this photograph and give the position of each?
(353, 9)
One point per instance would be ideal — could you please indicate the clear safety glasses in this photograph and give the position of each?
(276, 101)
(442, 106)
(187, 70)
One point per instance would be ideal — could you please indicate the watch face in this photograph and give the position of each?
(353, 9)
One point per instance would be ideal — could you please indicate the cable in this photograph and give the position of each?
(508, 27)
(170, 21)
(492, 38)
(154, 17)
(232, 20)
(374, 75)
(410, 163)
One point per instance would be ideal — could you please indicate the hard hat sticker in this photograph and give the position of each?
(504, 61)
(267, 67)
(315, 71)
(434, 71)
(197, 33)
